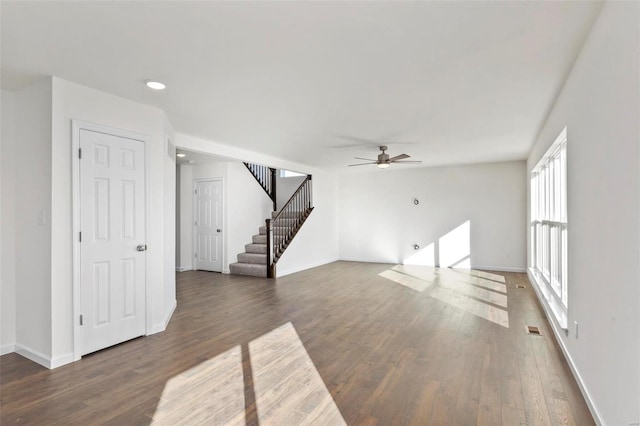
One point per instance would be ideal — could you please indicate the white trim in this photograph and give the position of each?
(33, 355)
(42, 359)
(76, 126)
(305, 267)
(362, 260)
(7, 349)
(184, 268)
(576, 374)
(158, 328)
(174, 305)
(223, 244)
(480, 268)
(499, 268)
(61, 360)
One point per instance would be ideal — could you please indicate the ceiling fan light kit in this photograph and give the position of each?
(384, 161)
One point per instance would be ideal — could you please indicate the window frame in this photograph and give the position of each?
(549, 227)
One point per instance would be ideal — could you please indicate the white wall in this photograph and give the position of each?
(8, 163)
(600, 106)
(72, 101)
(169, 196)
(317, 241)
(185, 262)
(285, 187)
(33, 220)
(178, 221)
(380, 223)
(246, 206)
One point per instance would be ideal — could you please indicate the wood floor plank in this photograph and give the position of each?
(343, 343)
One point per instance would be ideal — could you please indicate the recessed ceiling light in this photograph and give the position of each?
(181, 155)
(155, 85)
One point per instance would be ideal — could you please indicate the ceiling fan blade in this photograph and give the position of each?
(408, 162)
(399, 157)
(361, 164)
(365, 159)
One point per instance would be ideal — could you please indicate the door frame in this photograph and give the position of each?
(76, 126)
(194, 242)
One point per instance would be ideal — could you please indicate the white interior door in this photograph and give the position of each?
(208, 225)
(112, 225)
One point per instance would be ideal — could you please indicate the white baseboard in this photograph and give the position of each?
(59, 361)
(33, 355)
(362, 260)
(158, 328)
(184, 268)
(171, 311)
(499, 268)
(7, 349)
(478, 267)
(557, 329)
(305, 267)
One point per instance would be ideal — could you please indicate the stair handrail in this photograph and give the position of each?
(267, 181)
(278, 243)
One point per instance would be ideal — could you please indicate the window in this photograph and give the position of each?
(289, 173)
(549, 226)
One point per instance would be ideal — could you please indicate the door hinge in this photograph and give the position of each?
(195, 222)
(195, 191)
(81, 320)
(80, 153)
(80, 236)
(195, 254)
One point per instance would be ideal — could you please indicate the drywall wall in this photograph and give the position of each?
(285, 187)
(188, 173)
(246, 206)
(178, 221)
(169, 197)
(600, 107)
(8, 164)
(475, 210)
(74, 102)
(33, 221)
(317, 241)
(185, 263)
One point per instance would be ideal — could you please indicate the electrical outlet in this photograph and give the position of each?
(575, 326)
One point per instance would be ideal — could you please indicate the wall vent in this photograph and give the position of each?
(533, 330)
(521, 286)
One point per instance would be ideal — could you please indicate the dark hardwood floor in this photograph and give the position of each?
(334, 344)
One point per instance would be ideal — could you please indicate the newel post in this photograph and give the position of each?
(270, 268)
(273, 189)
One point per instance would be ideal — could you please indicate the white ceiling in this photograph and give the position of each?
(465, 81)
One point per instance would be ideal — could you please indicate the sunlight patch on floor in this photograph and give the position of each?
(480, 293)
(288, 388)
(212, 392)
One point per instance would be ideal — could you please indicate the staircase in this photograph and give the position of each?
(267, 247)
(254, 259)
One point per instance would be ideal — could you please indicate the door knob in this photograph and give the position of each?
(217, 230)
(141, 247)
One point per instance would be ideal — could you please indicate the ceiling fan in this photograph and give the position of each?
(384, 161)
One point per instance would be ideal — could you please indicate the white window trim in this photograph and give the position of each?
(545, 214)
